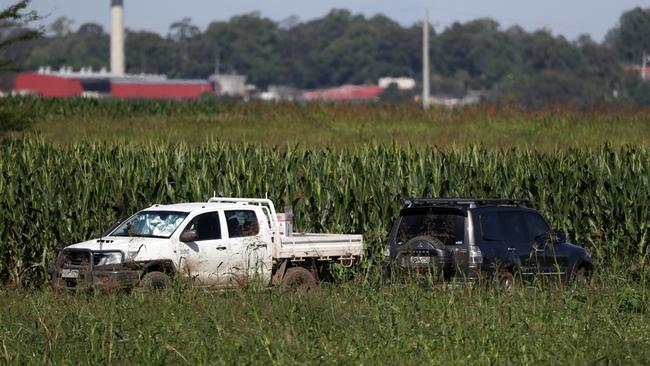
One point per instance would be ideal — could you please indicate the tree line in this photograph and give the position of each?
(514, 65)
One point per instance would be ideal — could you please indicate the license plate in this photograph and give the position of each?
(420, 260)
(70, 273)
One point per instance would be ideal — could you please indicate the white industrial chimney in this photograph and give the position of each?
(117, 37)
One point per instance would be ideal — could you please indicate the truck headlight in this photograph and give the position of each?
(109, 258)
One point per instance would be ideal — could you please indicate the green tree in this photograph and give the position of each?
(148, 53)
(14, 29)
(631, 37)
(14, 22)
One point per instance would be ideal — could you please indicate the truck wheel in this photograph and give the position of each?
(154, 281)
(58, 285)
(298, 278)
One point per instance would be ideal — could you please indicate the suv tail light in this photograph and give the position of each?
(475, 256)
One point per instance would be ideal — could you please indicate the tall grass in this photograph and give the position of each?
(342, 324)
(51, 196)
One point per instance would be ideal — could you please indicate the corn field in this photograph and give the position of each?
(52, 196)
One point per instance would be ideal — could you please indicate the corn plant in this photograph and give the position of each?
(52, 196)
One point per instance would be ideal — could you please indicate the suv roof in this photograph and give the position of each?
(461, 202)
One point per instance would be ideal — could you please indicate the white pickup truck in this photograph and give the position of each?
(222, 243)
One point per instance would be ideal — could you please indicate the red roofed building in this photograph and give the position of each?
(47, 85)
(159, 89)
(66, 83)
(347, 92)
(644, 72)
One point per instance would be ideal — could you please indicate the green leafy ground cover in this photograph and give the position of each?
(339, 324)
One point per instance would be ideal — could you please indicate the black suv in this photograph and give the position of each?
(471, 239)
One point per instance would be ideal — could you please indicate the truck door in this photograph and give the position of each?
(205, 259)
(249, 239)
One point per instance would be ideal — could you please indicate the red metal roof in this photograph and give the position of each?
(47, 85)
(345, 92)
(159, 90)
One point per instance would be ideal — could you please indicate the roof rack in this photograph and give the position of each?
(469, 202)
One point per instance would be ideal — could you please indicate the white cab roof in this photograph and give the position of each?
(198, 206)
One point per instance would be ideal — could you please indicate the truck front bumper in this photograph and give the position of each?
(77, 270)
(100, 279)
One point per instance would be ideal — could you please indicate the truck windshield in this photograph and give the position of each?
(154, 224)
(448, 227)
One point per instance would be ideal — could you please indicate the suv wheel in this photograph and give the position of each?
(581, 277)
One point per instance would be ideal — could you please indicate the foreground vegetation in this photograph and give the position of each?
(51, 196)
(323, 126)
(342, 324)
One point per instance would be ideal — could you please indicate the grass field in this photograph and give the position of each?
(53, 188)
(342, 324)
(318, 126)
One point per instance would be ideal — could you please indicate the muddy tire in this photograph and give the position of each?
(506, 280)
(154, 281)
(298, 279)
(58, 285)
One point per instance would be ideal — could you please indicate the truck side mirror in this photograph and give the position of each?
(189, 236)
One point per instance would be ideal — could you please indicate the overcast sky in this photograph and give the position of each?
(567, 17)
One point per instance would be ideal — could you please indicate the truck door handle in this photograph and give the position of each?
(539, 250)
(260, 246)
(221, 248)
(512, 249)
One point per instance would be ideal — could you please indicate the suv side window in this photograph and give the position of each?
(206, 225)
(242, 223)
(507, 226)
(513, 226)
(536, 226)
(490, 227)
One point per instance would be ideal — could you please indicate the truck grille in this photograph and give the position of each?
(78, 258)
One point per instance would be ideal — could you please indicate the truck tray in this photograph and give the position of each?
(321, 246)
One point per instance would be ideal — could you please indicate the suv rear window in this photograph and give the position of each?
(446, 226)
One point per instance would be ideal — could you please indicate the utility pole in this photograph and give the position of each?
(425, 61)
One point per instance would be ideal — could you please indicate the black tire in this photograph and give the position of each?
(429, 241)
(298, 278)
(154, 281)
(581, 277)
(58, 285)
(439, 264)
(506, 280)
